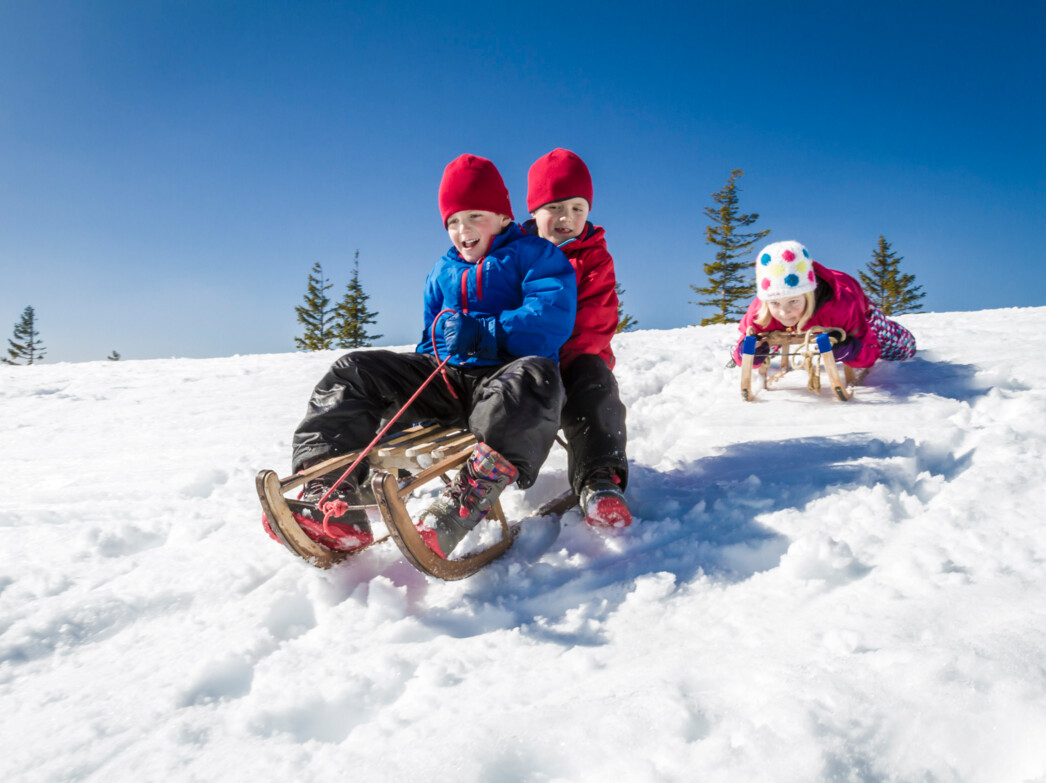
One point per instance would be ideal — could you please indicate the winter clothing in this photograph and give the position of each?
(597, 316)
(466, 500)
(557, 176)
(472, 182)
(839, 302)
(895, 342)
(847, 350)
(514, 408)
(593, 421)
(593, 418)
(463, 335)
(523, 294)
(603, 502)
(784, 269)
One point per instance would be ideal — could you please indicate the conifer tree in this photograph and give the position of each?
(25, 343)
(352, 315)
(316, 314)
(625, 323)
(731, 282)
(893, 292)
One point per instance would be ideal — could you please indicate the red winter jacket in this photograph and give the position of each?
(841, 303)
(596, 321)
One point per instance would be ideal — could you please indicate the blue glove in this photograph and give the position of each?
(462, 334)
(847, 350)
(759, 355)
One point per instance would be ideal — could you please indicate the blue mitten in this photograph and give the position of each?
(462, 334)
(847, 350)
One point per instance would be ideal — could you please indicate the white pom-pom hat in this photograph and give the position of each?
(784, 269)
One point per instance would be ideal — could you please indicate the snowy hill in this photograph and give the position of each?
(813, 590)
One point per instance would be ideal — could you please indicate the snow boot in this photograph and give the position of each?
(347, 526)
(466, 500)
(603, 501)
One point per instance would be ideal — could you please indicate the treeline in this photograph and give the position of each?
(731, 282)
(729, 288)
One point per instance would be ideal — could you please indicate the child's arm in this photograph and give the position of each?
(596, 322)
(747, 323)
(545, 317)
(433, 303)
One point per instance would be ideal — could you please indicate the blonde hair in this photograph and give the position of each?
(763, 317)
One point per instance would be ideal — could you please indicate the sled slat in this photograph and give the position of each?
(454, 444)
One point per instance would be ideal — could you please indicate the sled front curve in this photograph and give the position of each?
(401, 528)
(286, 529)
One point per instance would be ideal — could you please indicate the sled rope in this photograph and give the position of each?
(435, 352)
(339, 507)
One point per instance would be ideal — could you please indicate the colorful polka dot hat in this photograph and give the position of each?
(784, 269)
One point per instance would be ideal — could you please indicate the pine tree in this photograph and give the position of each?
(731, 281)
(625, 323)
(352, 315)
(24, 344)
(894, 293)
(316, 314)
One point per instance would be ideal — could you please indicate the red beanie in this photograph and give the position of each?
(472, 182)
(557, 176)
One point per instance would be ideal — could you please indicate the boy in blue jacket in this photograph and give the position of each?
(500, 304)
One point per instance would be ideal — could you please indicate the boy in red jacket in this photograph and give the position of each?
(559, 197)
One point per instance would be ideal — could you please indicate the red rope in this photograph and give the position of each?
(435, 352)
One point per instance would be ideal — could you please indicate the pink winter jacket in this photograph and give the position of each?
(847, 309)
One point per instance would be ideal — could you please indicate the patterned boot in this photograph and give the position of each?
(466, 500)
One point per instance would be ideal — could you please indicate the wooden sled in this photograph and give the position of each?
(399, 465)
(814, 347)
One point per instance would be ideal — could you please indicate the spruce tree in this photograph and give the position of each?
(316, 314)
(352, 315)
(731, 281)
(625, 323)
(25, 343)
(893, 292)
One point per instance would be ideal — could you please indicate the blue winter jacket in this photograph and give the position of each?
(523, 293)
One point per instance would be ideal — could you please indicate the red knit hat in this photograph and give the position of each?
(472, 182)
(557, 176)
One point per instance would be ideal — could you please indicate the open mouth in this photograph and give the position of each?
(468, 244)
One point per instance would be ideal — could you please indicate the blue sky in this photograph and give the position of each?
(169, 172)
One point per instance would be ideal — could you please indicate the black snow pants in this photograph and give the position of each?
(514, 408)
(593, 421)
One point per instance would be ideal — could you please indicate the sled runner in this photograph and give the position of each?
(814, 349)
(399, 465)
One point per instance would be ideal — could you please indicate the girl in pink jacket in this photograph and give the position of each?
(794, 293)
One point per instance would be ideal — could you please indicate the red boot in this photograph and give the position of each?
(603, 501)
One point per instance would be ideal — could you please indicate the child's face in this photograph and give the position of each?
(787, 310)
(561, 220)
(472, 230)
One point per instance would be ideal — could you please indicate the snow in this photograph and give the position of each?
(812, 590)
